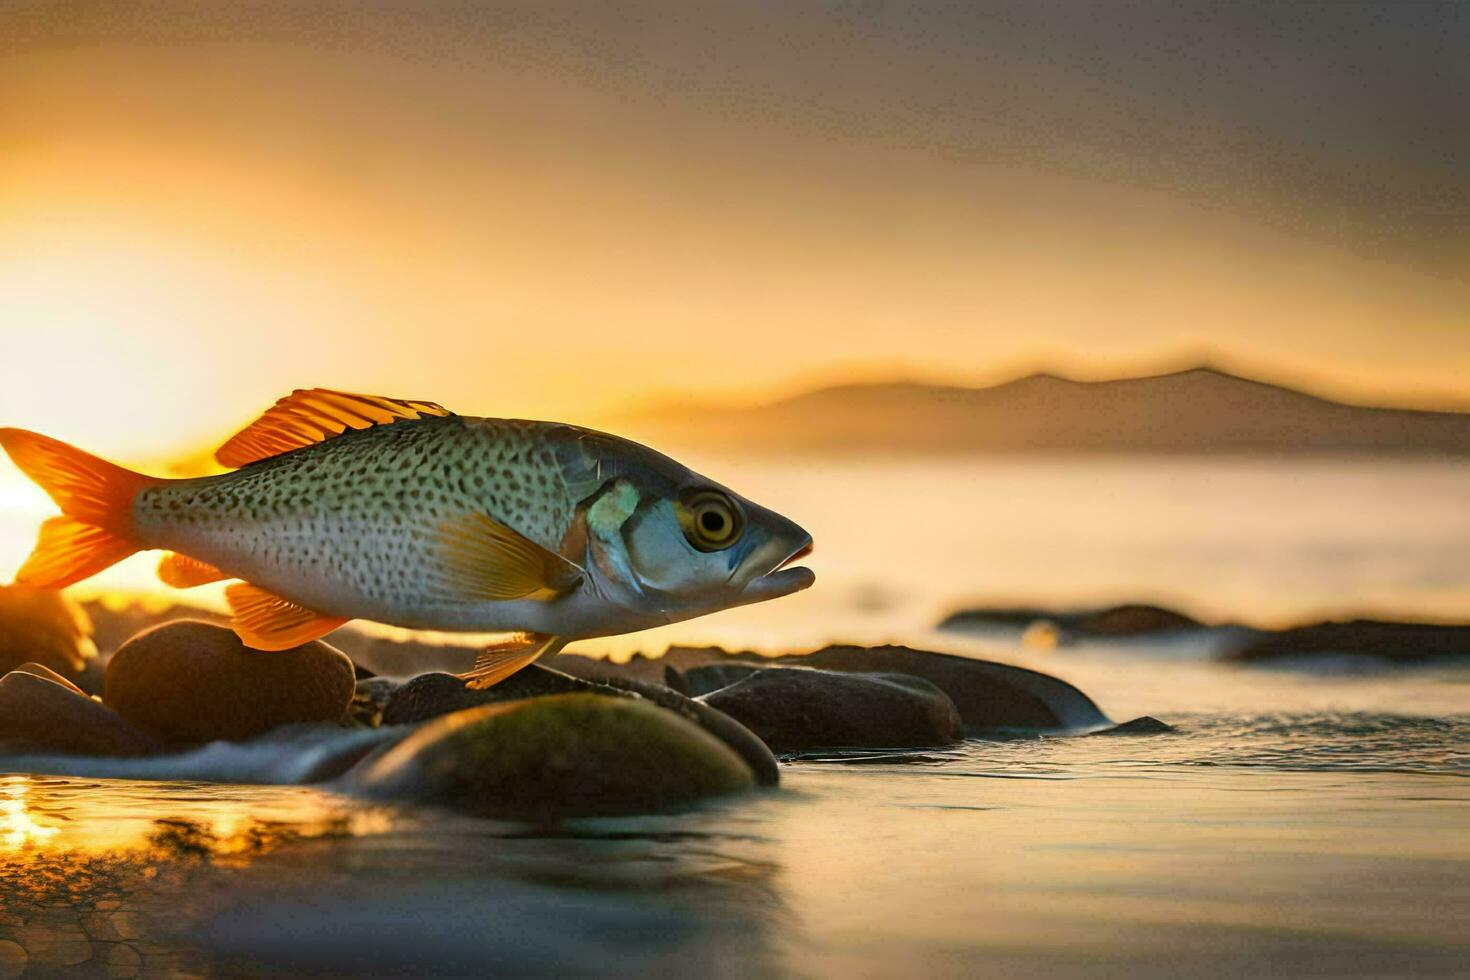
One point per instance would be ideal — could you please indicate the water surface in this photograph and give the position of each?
(1300, 821)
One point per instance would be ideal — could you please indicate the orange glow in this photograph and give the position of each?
(195, 219)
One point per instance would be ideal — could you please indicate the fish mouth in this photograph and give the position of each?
(801, 552)
(783, 579)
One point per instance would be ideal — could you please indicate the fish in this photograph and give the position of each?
(340, 506)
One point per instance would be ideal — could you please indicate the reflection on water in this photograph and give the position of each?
(1252, 841)
(129, 878)
(17, 827)
(92, 882)
(1297, 823)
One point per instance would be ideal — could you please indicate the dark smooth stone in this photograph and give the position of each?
(1407, 643)
(1146, 725)
(1130, 619)
(431, 695)
(1133, 620)
(52, 715)
(711, 677)
(370, 697)
(194, 682)
(990, 696)
(794, 709)
(729, 730)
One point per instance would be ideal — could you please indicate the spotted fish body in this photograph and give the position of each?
(359, 507)
(354, 524)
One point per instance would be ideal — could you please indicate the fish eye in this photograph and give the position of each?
(711, 521)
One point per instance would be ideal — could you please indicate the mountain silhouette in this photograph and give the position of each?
(1197, 411)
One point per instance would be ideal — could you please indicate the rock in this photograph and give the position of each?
(711, 677)
(1013, 617)
(46, 714)
(432, 695)
(46, 627)
(989, 696)
(370, 697)
(1130, 619)
(747, 744)
(46, 673)
(1133, 620)
(193, 682)
(1402, 643)
(1147, 725)
(563, 755)
(792, 709)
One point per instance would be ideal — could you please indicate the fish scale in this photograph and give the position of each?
(363, 511)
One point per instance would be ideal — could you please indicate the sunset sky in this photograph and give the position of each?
(559, 210)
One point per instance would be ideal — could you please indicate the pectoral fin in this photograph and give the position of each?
(481, 559)
(265, 621)
(496, 663)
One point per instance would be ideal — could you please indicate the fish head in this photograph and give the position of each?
(667, 542)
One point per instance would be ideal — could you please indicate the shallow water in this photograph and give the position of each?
(1325, 839)
(1300, 822)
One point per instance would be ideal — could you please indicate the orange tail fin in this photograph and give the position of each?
(96, 498)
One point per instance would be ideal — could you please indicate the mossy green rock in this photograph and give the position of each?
(563, 755)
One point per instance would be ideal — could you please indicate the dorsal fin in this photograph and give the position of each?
(308, 416)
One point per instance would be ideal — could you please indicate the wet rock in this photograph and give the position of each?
(48, 714)
(41, 670)
(1147, 725)
(1391, 642)
(746, 743)
(989, 696)
(1133, 620)
(45, 627)
(698, 681)
(432, 695)
(563, 755)
(792, 709)
(193, 682)
(1130, 619)
(1014, 617)
(370, 696)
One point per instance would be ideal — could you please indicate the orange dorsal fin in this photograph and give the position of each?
(500, 660)
(97, 498)
(308, 416)
(482, 560)
(265, 621)
(183, 572)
